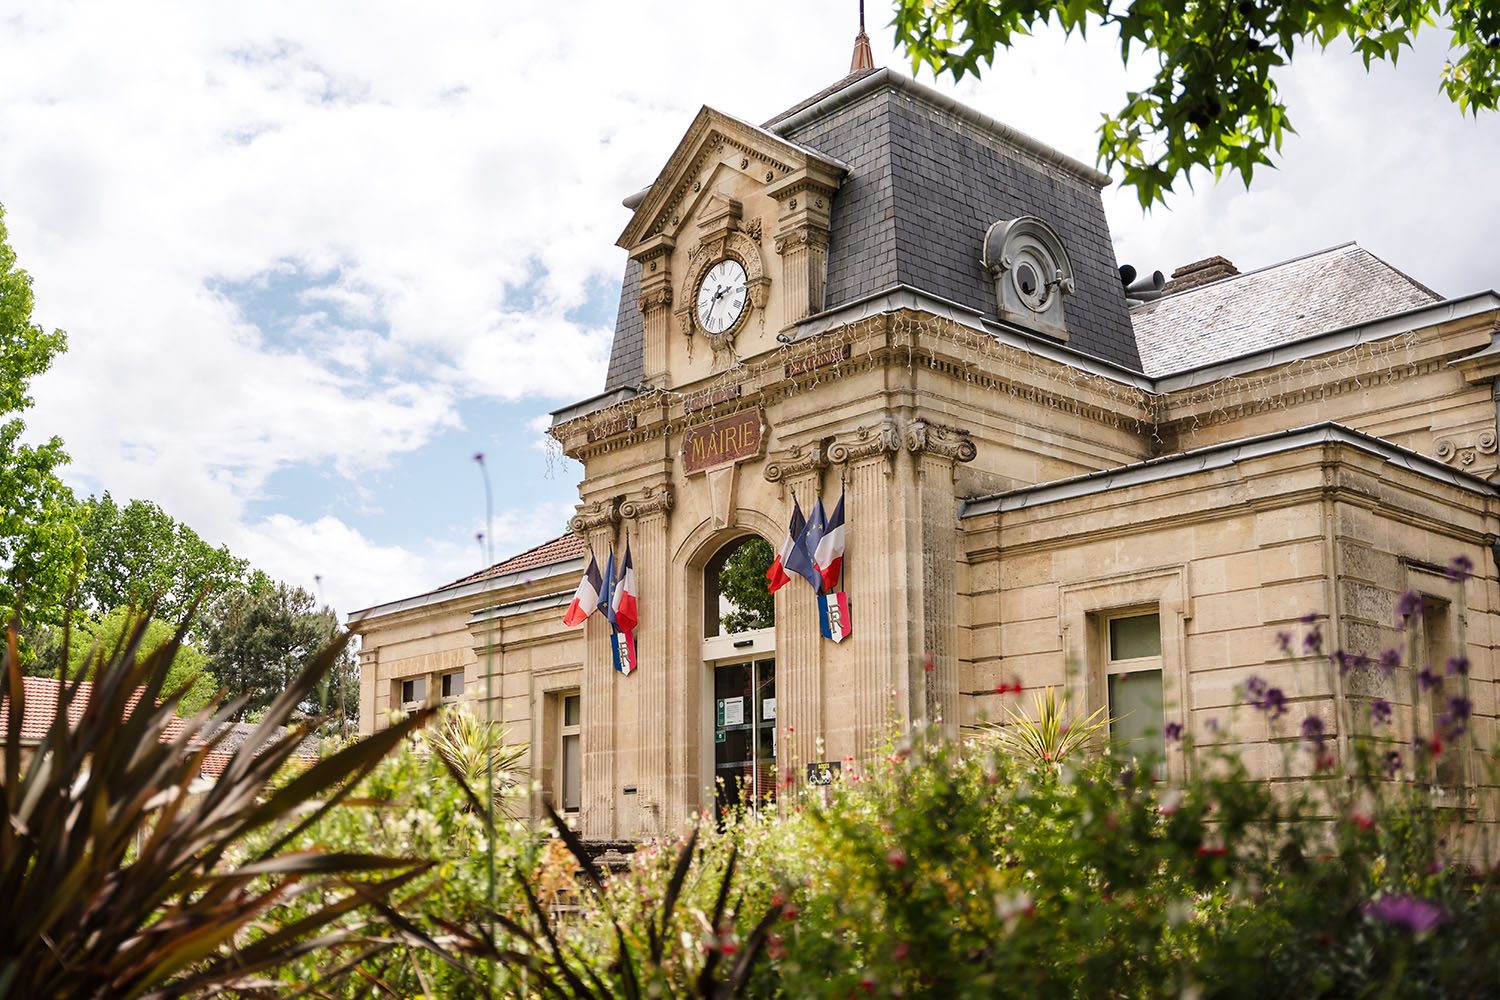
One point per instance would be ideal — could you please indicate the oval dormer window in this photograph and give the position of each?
(1031, 271)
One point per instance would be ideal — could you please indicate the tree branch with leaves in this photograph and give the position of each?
(1213, 101)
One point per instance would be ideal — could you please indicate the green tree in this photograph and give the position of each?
(139, 553)
(103, 636)
(1213, 102)
(743, 582)
(259, 636)
(39, 542)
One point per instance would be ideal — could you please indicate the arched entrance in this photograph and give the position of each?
(739, 651)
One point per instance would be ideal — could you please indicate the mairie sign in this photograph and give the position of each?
(728, 439)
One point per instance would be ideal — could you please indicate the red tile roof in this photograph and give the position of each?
(561, 549)
(41, 709)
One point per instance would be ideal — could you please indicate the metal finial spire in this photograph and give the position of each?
(863, 57)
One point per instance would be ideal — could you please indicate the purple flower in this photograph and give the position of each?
(1266, 698)
(1211, 724)
(1460, 569)
(1390, 659)
(1392, 763)
(1284, 642)
(1380, 711)
(1458, 665)
(1407, 606)
(1418, 916)
(1342, 660)
(1362, 660)
(1428, 680)
(1312, 642)
(1313, 731)
(1309, 618)
(1455, 719)
(1172, 731)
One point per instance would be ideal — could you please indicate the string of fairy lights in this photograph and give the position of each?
(915, 339)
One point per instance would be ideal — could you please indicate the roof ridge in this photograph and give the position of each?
(1220, 283)
(480, 574)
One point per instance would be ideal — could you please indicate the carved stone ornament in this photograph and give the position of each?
(655, 298)
(864, 442)
(1459, 453)
(788, 241)
(795, 460)
(937, 439)
(599, 514)
(651, 500)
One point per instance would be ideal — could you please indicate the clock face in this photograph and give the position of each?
(722, 296)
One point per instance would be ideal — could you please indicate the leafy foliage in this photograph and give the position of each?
(96, 643)
(123, 878)
(1048, 736)
(1213, 101)
(139, 553)
(476, 750)
(259, 635)
(40, 552)
(743, 581)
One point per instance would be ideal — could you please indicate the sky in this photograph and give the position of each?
(311, 258)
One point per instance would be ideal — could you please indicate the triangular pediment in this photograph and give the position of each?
(712, 140)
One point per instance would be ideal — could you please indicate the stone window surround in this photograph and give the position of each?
(1084, 611)
(1433, 584)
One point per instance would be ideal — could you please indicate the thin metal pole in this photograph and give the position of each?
(487, 547)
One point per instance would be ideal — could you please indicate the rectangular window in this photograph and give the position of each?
(1437, 689)
(1133, 682)
(570, 751)
(453, 685)
(413, 692)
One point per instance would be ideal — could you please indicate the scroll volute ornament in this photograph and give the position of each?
(939, 439)
(797, 459)
(864, 442)
(657, 499)
(599, 514)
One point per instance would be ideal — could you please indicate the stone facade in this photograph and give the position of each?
(1007, 493)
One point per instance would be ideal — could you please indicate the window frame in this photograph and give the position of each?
(565, 732)
(447, 697)
(419, 697)
(1113, 667)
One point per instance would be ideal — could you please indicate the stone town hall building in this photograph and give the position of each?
(1051, 478)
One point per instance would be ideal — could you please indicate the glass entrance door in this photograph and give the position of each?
(744, 728)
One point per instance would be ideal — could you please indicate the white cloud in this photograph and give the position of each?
(446, 179)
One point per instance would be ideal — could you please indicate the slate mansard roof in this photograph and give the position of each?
(1271, 307)
(927, 178)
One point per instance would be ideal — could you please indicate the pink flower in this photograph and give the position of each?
(896, 858)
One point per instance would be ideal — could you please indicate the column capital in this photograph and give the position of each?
(794, 461)
(875, 439)
(599, 514)
(940, 439)
(657, 499)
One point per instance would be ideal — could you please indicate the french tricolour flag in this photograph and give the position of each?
(586, 597)
(623, 605)
(829, 555)
(777, 576)
(800, 559)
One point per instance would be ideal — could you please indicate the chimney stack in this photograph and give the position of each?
(1201, 272)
